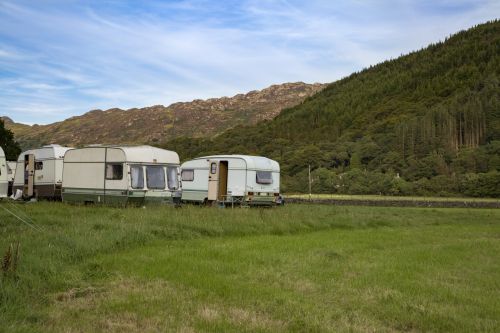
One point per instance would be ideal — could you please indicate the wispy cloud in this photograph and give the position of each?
(60, 58)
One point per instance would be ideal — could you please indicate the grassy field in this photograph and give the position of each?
(293, 268)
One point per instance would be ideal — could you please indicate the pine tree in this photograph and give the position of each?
(10, 147)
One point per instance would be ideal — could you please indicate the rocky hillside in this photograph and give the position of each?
(198, 118)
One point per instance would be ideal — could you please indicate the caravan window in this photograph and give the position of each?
(38, 165)
(173, 181)
(114, 171)
(213, 168)
(136, 176)
(264, 177)
(155, 176)
(187, 175)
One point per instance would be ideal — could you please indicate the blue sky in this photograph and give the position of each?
(61, 58)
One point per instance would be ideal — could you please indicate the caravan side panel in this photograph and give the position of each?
(4, 182)
(19, 175)
(115, 155)
(236, 177)
(263, 194)
(44, 178)
(116, 190)
(195, 190)
(83, 175)
(45, 172)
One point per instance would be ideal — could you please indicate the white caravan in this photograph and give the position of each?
(4, 181)
(120, 175)
(248, 180)
(39, 172)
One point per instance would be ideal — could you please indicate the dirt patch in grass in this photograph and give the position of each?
(254, 320)
(74, 293)
(122, 305)
(240, 317)
(129, 305)
(209, 314)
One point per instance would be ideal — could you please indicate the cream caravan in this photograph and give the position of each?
(249, 180)
(4, 181)
(39, 172)
(120, 175)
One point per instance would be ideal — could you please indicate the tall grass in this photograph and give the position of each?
(72, 251)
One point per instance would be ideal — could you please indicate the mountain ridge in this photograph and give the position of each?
(157, 123)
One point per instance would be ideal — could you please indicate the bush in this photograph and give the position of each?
(481, 184)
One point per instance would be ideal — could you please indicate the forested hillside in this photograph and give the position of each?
(425, 123)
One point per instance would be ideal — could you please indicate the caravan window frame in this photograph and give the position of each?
(116, 175)
(173, 177)
(259, 179)
(38, 165)
(141, 172)
(187, 179)
(149, 176)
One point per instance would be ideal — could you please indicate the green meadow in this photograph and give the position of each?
(299, 268)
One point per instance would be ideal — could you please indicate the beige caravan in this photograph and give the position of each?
(121, 175)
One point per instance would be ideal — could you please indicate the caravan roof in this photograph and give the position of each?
(2, 154)
(149, 154)
(139, 154)
(46, 152)
(252, 162)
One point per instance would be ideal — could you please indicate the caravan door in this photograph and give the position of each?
(29, 175)
(213, 179)
(217, 180)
